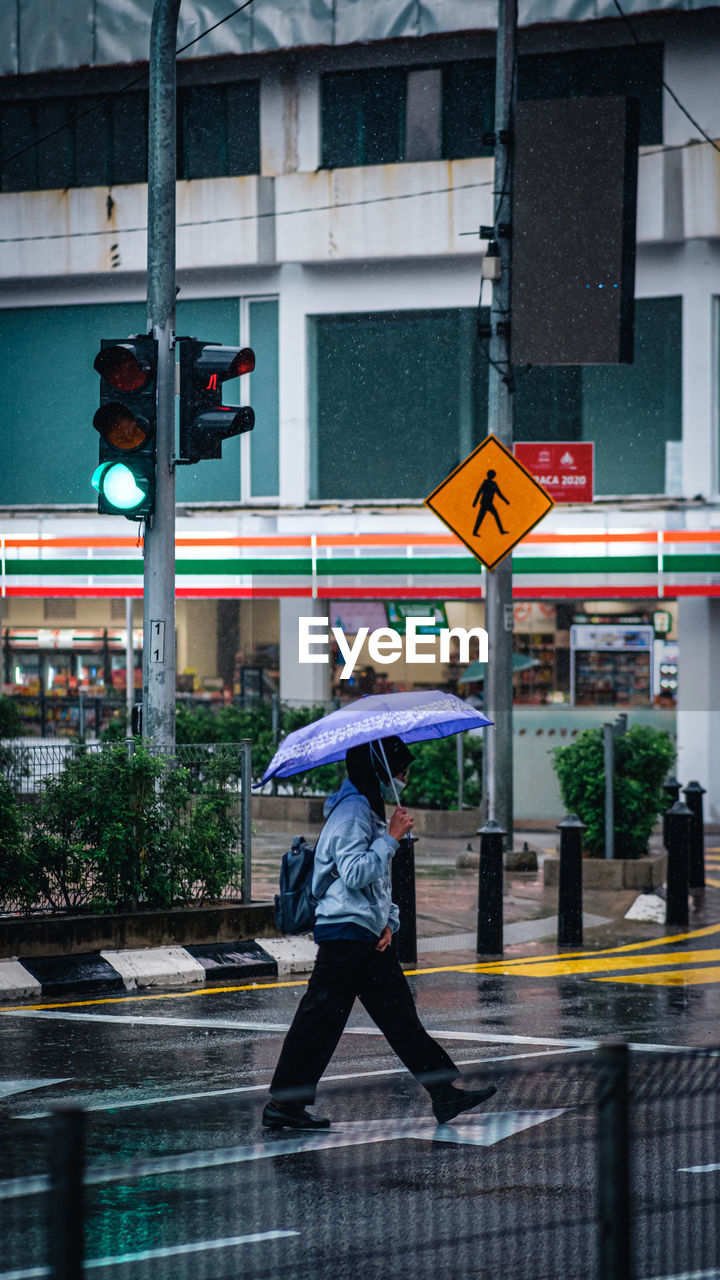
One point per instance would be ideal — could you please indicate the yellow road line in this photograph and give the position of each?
(518, 964)
(607, 964)
(705, 932)
(156, 995)
(715, 884)
(671, 978)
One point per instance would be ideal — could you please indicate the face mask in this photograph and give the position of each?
(389, 794)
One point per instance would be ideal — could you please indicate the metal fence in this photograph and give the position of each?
(72, 878)
(594, 1165)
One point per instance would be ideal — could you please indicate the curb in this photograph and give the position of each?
(94, 971)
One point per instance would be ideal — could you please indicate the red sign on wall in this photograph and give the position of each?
(565, 471)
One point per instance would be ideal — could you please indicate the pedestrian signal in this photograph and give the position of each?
(204, 420)
(126, 422)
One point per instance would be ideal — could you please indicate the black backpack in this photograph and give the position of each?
(295, 904)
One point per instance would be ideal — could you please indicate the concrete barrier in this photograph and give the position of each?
(72, 935)
(614, 873)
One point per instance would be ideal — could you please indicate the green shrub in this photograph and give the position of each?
(643, 758)
(14, 888)
(433, 775)
(9, 717)
(113, 832)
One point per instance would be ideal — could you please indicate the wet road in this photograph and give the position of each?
(182, 1077)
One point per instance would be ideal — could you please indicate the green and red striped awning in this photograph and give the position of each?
(644, 564)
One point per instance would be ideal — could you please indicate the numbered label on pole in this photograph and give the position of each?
(157, 638)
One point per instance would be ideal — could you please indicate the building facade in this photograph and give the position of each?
(332, 177)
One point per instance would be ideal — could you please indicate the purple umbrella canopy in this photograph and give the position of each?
(414, 717)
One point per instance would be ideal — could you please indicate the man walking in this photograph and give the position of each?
(354, 924)
(487, 493)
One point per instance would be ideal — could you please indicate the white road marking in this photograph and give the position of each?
(700, 1168)
(228, 1024)
(9, 1087)
(263, 1088)
(713, 1274)
(170, 1251)
(483, 1130)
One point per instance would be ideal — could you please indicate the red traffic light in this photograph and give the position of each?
(120, 427)
(244, 362)
(123, 368)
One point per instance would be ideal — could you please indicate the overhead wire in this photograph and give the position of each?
(671, 92)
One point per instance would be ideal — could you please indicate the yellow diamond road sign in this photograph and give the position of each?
(490, 501)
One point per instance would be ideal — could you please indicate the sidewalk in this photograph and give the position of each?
(446, 902)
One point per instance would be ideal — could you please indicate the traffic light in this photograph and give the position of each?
(126, 421)
(204, 420)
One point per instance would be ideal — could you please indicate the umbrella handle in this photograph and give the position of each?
(387, 766)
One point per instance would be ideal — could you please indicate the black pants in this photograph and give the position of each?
(344, 970)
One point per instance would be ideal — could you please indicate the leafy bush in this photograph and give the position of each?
(643, 758)
(9, 717)
(13, 863)
(230, 724)
(433, 775)
(112, 832)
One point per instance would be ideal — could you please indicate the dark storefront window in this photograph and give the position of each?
(100, 141)
(363, 117)
(399, 398)
(363, 113)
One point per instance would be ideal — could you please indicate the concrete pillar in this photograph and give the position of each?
(301, 683)
(698, 717)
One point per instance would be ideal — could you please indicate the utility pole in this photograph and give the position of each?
(499, 619)
(159, 574)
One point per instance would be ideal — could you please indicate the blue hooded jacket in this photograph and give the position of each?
(356, 842)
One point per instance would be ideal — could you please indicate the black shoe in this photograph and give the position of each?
(450, 1102)
(288, 1115)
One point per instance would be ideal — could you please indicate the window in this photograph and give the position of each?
(397, 399)
(363, 117)
(218, 130)
(46, 469)
(469, 90)
(102, 141)
(632, 412)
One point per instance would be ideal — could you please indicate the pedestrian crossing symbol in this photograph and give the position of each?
(490, 501)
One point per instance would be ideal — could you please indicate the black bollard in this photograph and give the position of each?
(694, 793)
(490, 890)
(570, 921)
(403, 894)
(678, 822)
(671, 787)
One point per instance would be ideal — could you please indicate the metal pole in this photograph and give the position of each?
(694, 793)
(613, 1162)
(129, 663)
(402, 875)
(609, 764)
(66, 1218)
(671, 787)
(498, 684)
(490, 890)
(159, 578)
(246, 820)
(678, 822)
(570, 915)
(460, 759)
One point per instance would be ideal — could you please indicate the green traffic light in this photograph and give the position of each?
(117, 484)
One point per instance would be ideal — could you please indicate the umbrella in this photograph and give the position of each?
(414, 717)
(476, 670)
